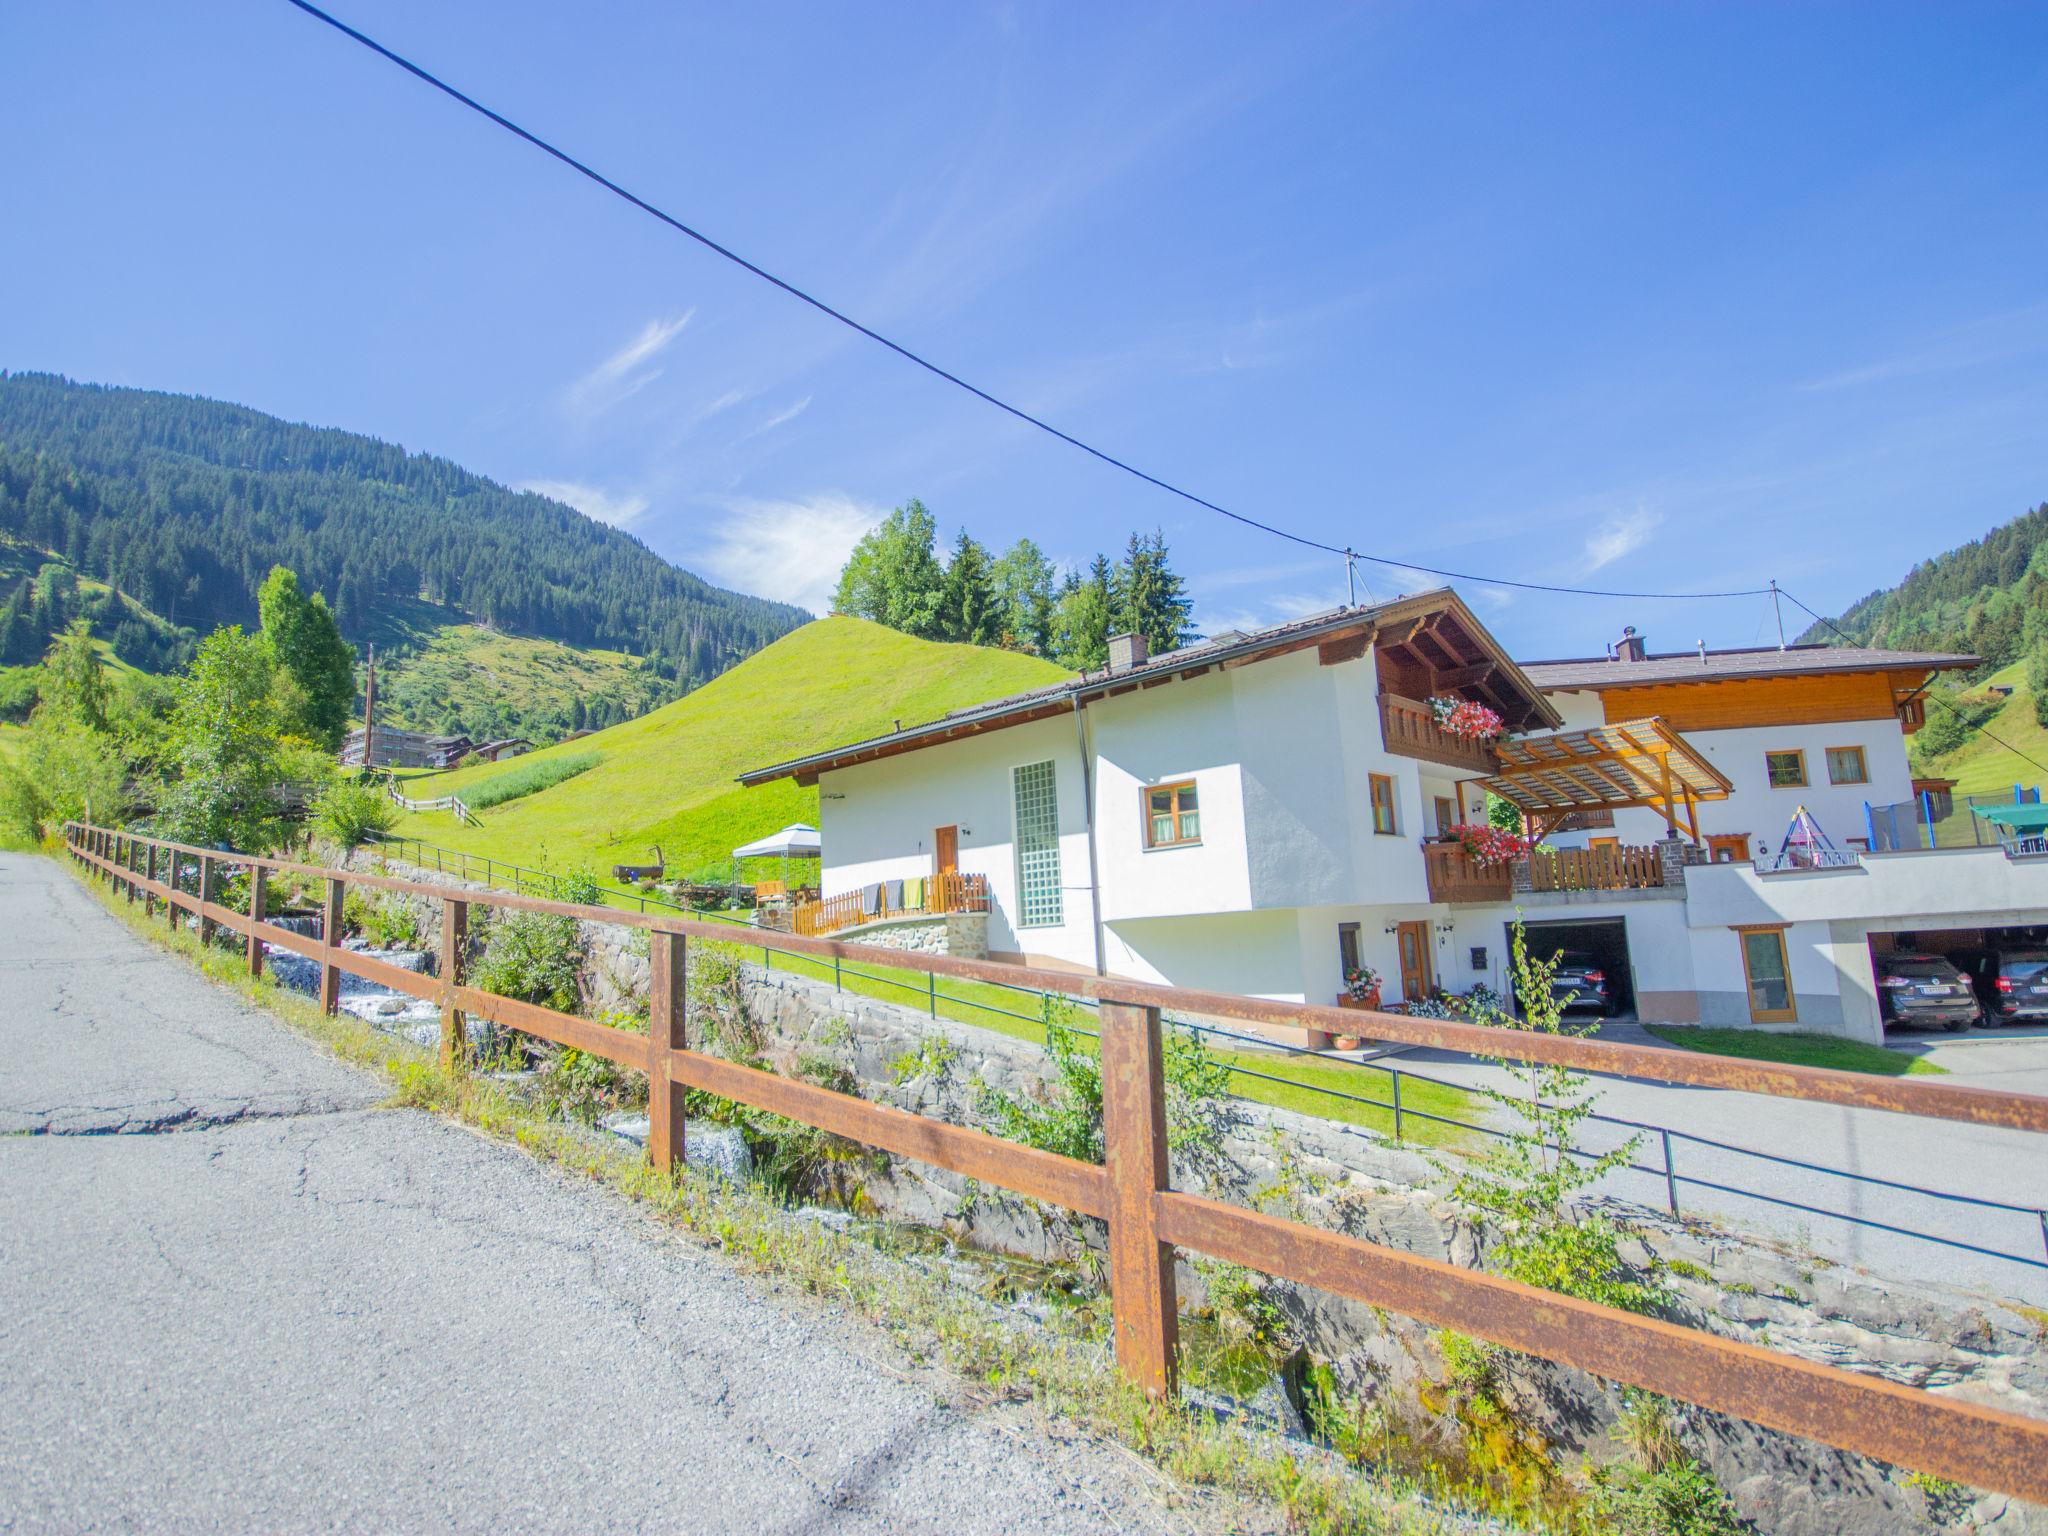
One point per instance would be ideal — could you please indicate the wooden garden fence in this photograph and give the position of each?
(1131, 1190)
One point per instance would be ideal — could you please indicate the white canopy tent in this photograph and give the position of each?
(795, 841)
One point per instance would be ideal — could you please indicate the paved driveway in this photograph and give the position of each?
(1938, 1155)
(236, 1295)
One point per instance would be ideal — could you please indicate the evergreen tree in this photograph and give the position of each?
(968, 608)
(1023, 580)
(74, 680)
(224, 748)
(1081, 619)
(306, 644)
(1150, 598)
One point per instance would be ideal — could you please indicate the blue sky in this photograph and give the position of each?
(1642, 296)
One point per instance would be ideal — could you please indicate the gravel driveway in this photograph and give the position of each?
(237, 1295)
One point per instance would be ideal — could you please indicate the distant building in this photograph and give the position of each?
(498, 751)
(404, 749)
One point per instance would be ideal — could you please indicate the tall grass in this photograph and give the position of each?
(527, 778)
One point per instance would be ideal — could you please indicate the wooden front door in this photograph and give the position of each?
(945, 850)
(1418, 979)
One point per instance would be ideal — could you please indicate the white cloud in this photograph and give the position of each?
(592, 501)
(627, 371)
(788, 550)
(724, 403)
(779, 419)
(1622, 534)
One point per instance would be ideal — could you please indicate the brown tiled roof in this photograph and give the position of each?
(1232, 647)
(1715, 666)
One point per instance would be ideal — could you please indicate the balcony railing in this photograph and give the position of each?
(1409, 729)
(935, 896)
(1595, 869)
(1454, 875)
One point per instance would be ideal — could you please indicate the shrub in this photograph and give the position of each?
(528, 778)
(348, 811)
(531, 956)
(1679, 1498)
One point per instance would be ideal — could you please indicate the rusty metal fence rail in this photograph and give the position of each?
(1131, 1190)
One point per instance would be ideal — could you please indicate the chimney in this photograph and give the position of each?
(1631, 646)
(1126, 652)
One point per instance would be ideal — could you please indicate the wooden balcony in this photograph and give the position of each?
(1409, 729)
(1454, 875)
(951, 892)
(1596, 869)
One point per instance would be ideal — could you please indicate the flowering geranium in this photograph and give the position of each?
(1488, 844)
(1462, 717)
(1361, 981)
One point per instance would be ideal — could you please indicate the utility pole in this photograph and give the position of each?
(369, 706)
(1350, 579)
(1779, 611)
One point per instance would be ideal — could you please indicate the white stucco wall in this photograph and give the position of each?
(876, 822)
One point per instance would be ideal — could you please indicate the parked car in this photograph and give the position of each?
(1580, 982)
(1923, 991)
(2011, 984)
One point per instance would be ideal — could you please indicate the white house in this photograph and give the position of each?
(1256, 812)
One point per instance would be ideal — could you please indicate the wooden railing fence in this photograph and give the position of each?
(1408, 726)
(1607, 868)
(1131, 1190)
(949, 892)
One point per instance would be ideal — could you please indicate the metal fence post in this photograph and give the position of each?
(837, 984)
(932, 991)
(454, 1027)
(668, 1004)
(330, 941)
(1146, 1317)
(1396, 1073)
(1670, 1175)
(259, 888)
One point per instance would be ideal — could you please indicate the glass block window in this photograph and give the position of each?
(1038, 845)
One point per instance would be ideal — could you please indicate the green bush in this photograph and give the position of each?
(528, 778)
(348, 811)
(1679, 1498)
(533, 957)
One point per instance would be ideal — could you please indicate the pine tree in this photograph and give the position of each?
(969, 610)
(1150, 598)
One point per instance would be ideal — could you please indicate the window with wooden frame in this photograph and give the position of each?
(1846, 766)
(1766, 976)
(1173, 819)
(1728, 848)
(1382, 789)
(1446, 813)
(1787, 769)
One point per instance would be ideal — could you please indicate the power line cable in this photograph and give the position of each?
(904, 352)
(1930, 695)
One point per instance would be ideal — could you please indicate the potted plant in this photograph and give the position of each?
(1463, 717)
(1361, 987)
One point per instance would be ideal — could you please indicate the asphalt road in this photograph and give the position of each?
(237, 1295)
(1933, 1155)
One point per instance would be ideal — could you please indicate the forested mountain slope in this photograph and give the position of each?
(184, 504)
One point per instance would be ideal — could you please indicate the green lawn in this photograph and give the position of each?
(998, 1008)
(667, 778)
(1798, 1050)
(1982, 766)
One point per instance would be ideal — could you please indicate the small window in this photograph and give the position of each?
(1770, 982)
(1728, 848)
(1787, 770)
(1846, 766)
(1172, 817)
(1446, 813)
(1383, 805)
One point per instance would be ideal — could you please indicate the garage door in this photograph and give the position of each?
(1605, 939)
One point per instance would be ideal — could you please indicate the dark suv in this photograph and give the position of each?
(1579, 982)
(1923, 991)
(2012, 984)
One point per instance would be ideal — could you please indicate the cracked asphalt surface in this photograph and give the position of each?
(235, 1294)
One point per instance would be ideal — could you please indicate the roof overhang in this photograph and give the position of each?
(1605, 767)
(1436, 625)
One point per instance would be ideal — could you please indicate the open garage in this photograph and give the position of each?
(2007, 966)
(1603, 938)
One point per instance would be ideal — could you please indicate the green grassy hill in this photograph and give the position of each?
(667, 778)
(1982, 766)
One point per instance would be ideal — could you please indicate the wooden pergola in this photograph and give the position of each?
(1632, 763)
